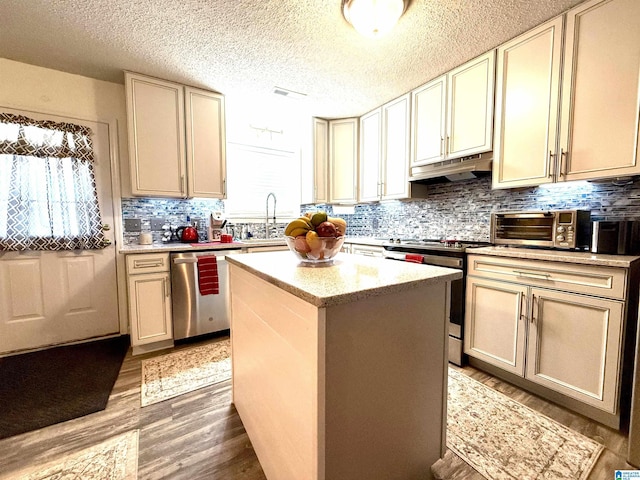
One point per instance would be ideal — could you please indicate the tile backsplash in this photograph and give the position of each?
(460, 209)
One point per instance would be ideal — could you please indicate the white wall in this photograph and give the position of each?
(28, 87)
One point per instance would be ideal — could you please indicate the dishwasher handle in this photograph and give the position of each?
(178, 261)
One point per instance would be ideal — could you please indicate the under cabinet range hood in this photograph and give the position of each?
(453, 170)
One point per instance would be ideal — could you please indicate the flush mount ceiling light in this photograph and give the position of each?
(373, 18)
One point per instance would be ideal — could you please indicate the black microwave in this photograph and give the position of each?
(567, 229)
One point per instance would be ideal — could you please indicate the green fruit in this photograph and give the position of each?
(318, 218)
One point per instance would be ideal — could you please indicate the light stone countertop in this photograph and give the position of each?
(348, 279)
(374, 241)
(565, 256)
(180, 247)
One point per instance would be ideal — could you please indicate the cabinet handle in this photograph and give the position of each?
(448, 145)
(224, 187)
(147, 263)
(534, 310)
(562, 163)
(553, 164)
(523, 311)
(441, 144)
(166, 287)
(536, 275)
(381, 189)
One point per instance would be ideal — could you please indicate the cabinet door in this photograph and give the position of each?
(526, 115)
(150, 308)
(343, 160)
(320, 160)
(574, 346)
(470, 107)
(205, 138)
(428, 107)
(495, 323)
(395, 148)
(600, 93)
(370, 156)
(155, 116)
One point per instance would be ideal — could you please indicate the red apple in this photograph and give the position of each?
(326, 229)
(301, 244)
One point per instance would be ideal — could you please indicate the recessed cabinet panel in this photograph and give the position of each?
(205, 143)
(155, 114)
(574, 345)
(395, 148)
(429, 104)
(370, 156)
(495, 323)
(470, 107)
(321, 160)
(527, 96)
(599, 130)
(343, 158)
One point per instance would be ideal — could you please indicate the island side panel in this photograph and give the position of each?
(275, 343)
(385, 374)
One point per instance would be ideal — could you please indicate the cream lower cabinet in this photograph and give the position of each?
(149, 288)
(541, 321)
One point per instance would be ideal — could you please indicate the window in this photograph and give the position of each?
(48, 196)
(254, 172)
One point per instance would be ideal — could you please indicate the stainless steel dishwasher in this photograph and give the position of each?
(193, 313)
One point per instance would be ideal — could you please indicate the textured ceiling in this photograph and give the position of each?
(246, 47)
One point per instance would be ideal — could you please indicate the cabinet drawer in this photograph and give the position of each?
(147, 263)
(591, 280)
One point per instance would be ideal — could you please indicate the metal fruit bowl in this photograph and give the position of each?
(322, 250)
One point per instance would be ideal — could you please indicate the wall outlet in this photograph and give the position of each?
(132, 225)
(157, 223)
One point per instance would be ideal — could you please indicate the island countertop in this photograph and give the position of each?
(348, 279)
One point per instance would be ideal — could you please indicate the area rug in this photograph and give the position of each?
(113, 459)
(50, 386)
(503, 439)
(168, 376)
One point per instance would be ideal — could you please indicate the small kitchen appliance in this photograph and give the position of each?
(216, 224)
(566, 229)
(620, 237)
(187, 234)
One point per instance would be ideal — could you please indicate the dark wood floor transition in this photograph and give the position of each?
(200, 436)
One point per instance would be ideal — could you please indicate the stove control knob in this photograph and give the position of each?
(560, 238)
(397, 240)
(560, 229)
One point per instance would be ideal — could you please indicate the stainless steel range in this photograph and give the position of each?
(442, 253)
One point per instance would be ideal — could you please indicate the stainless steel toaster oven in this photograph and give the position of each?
(566, 229)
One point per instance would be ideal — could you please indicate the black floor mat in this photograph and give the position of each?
(57, 384)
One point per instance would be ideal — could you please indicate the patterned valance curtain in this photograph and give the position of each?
(48, 196)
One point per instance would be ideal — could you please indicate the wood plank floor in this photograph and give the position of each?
(200, 436)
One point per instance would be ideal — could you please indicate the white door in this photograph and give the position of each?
(48, 298)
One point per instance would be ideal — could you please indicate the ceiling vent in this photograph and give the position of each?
(288, 93)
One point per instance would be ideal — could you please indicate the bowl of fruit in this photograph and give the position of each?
(315, 238)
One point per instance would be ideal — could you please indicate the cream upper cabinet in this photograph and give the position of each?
(601, 94)
(453, 114)
(384, 152)
(370, 156)
(320, 160)
(593, 133)
(396, 142)
(176, 139)
(205, 139)
(157, 155)
(527, 96)
(343, 160)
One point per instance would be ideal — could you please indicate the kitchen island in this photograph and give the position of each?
(339, 372)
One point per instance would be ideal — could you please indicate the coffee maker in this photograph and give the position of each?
(216, 224)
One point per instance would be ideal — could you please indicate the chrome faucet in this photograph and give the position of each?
(266, 218)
